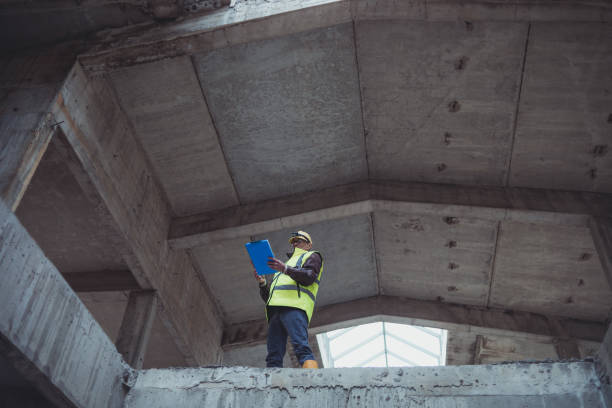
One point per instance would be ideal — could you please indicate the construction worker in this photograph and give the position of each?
(290, 300)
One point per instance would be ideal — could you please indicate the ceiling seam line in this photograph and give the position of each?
(214, 125)
(361, 104)
(376, 266)
(494, 258)
(518, 104)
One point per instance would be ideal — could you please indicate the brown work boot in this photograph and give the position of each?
(310, 364)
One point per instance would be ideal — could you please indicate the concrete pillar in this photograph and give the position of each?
(136, 327)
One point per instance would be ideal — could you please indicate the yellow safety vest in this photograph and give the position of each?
(284, 291)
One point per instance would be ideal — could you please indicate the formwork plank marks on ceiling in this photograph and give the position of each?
(564, 128)
(550, 269)
(168, 111)
(288, 112)
(435, 258)
(439, 98)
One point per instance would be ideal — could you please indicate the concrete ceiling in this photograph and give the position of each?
(463, 103)
(470, 103)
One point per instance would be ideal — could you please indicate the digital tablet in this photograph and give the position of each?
(260, 251)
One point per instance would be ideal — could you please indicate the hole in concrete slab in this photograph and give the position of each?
(580, 282)
(469, 26)
(461, 63)
(441, 167)
(600, 150)
(452, 265)
(451, 244)
(451, 220)
(585, 256)
(592, 173)
(454, 106)
(447, 138)
(569, 300)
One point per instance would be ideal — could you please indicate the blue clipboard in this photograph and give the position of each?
(259, 251)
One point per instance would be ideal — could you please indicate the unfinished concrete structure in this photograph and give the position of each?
(450, 159)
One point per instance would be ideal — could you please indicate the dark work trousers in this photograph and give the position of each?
(283, 321)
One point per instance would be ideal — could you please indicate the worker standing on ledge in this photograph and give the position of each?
(290, 300)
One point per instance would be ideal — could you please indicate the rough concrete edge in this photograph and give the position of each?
(519, 379)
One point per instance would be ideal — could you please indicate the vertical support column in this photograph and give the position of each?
(136, 327)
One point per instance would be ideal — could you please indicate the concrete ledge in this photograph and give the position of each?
(573, 384)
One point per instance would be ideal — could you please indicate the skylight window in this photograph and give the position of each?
(383, 344)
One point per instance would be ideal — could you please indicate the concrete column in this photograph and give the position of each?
(136, 327)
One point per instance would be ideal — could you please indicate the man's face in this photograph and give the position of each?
(300, 243)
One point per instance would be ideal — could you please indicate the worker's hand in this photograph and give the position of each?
(260, 279)
(275, 264)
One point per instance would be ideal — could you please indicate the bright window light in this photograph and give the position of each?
(383, 344)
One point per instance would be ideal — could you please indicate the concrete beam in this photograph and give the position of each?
(492, 203)
(136, 327)
(47, 333)
(252, 21)
(28, 84)
(601, 231)
(424, 313)
(102, 281)
(104, 142)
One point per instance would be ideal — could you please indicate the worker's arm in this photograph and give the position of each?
(305, 275)
(264, 292)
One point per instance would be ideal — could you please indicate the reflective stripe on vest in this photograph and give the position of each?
(284, 291)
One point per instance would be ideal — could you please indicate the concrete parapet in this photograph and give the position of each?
(570, 384)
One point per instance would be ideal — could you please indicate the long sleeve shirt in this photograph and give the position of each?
(305, 275)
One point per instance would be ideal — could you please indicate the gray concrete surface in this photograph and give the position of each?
(420, 255)
(550, 268)
(604, 367)
(442, 113)
(103, 140)
(28, 84)
(171, 118)
(297, 125)
(47, 332)
(161, 136)
(507, 385)
(564, 108)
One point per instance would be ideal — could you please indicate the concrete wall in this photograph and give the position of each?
(506, 385)
(45, 330)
